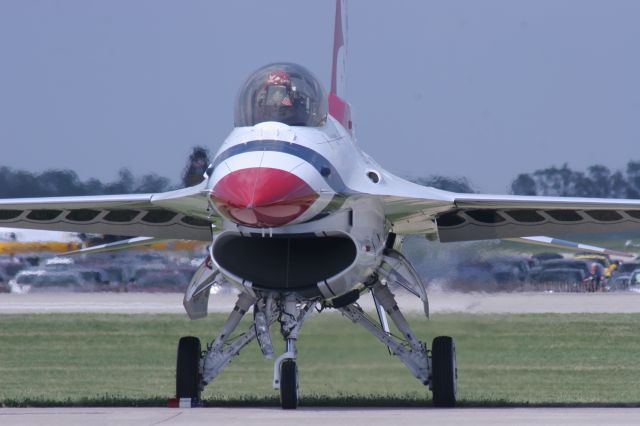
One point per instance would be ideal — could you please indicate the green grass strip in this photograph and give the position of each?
(503, 360)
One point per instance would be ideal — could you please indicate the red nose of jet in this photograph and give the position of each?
(262, 197)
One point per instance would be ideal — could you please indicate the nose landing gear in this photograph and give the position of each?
(285, 369)
(289, 384)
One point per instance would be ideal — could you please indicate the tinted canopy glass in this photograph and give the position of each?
(285, 92)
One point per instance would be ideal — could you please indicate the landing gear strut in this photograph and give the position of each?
(437, 368)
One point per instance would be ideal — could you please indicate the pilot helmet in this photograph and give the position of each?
(276, 91)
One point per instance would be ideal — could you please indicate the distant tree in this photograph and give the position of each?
(555, 181)
(524, 184)
(94, 186)
(600, 181)
(197, 164)
(454, 184)
(620, 186)
(15, 184)
(124, 184)
(152, 183)
(633, 179)
(53, 182)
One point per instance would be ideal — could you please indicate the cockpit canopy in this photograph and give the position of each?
(284, 92)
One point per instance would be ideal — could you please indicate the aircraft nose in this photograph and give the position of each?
(262, 196)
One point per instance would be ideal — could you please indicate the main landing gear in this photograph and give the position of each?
(195, 369)
(445, 372)
(188, 374)
(437, 369)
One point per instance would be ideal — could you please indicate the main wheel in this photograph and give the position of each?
(188, 368)
(444, 374)
(289, 384)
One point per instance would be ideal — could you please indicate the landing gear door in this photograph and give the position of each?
(396, 269)
(196, 297)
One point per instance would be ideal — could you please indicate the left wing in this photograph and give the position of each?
(465, 217)
(181, 214)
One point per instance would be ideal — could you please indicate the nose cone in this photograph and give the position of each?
(262, 196)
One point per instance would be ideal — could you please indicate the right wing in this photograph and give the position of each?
(479, 216)
(182, 214)
(449, 216)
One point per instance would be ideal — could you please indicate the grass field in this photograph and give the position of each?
(89, 359)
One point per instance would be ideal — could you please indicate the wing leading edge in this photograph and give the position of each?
(180, 214)
(479, 217)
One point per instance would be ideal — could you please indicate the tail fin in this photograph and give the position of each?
(338, 67)
(338, 107)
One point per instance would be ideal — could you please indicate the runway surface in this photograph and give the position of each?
(320, 416)
(134, 303)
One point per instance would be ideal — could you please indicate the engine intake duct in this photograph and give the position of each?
(286, 262)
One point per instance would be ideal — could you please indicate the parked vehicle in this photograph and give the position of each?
(545, 256)
(509, 269)
(602, 259)
(562, 279)
(553, 271)
(56, 281)
(4, 284)
(11, 266)
(23, 280)
(160, 281)
(634, 280)
(580, 264)
(621, 277)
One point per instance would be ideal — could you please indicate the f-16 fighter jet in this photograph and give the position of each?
(298, 216)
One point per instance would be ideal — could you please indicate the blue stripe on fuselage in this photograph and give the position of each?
(318, 161)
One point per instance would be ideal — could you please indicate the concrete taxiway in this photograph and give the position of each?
(320, 416)
(141, 303)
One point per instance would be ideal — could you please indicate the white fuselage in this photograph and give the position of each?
(276, 181)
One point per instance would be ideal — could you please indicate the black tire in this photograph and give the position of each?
(444, 376)
(188, 368)
(289, 385)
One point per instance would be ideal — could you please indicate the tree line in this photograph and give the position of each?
(56, 183)
(597, 181)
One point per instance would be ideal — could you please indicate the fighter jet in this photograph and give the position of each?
(297, 216)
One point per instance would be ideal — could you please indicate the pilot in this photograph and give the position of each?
(278, 100)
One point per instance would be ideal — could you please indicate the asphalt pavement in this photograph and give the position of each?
(319, 416)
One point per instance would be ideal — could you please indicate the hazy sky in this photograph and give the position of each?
(483, 89)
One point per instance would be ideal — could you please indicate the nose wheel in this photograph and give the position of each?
(289, 384)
